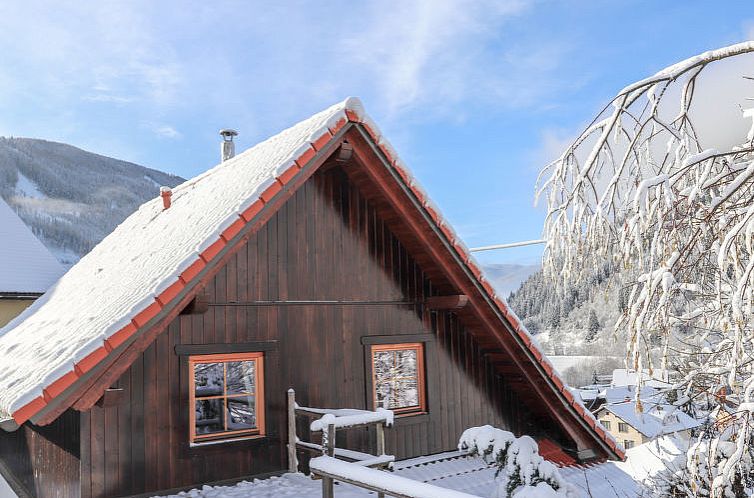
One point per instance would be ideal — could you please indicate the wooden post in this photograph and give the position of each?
(329, 448)
(380, 447)
(292, 460)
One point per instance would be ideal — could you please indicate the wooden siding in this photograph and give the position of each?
(326, 243)
(43, 461)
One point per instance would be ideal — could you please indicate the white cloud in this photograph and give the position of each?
(163, 130)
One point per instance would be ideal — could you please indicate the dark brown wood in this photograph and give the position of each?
(336, 247)
(43, 461)
(197, 306)
(112, 397)
(228, 347)
(344, 154)
(455, 302)
(396, 338)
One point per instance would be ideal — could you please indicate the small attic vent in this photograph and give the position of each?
(166, 193)
(227, 146)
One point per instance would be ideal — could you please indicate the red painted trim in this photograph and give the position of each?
(192, 271)
(170, 293)
(91, 360)
(28, 410)
(405, 176)
(121, 336)
(60, 385)
(288, 174)
(304, 158)
(271, 191)
(234, 229)
(322, 141)
(352, 116)
(146, 314)
(338, 126)
(213, 250)
(252, 210)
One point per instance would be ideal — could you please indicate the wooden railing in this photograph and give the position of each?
(349, 466)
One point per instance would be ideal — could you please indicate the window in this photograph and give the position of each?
(226, 396)
(622, 427)
(628, 444)
(605, 424)
(398, 377)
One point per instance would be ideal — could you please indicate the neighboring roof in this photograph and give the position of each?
(655, 419)
(628, 393)
(624, 377)
(154, 258)
(26, 266)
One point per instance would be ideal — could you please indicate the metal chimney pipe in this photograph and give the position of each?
(227, 146)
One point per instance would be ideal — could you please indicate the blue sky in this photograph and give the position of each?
(475, 95)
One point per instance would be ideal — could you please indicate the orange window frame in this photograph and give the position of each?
(259, 430)
(420, 377)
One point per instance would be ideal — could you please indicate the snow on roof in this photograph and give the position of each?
(108, 287)
(628, 393)
(121, 286)
(655, 419)
(624, 377)
(27, 266)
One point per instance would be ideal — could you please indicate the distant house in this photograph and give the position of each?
(27, 269)
(623, 377)
(632, 428)
(312, 261)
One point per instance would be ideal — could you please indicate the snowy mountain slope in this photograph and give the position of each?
(69, 197)
(579, 321)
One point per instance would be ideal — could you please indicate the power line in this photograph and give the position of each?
(508, 246)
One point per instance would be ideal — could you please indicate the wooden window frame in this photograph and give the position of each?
(621, 426)
(258, 359)
(421, 380)
(606, 424)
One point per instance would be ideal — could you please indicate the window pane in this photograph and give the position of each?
(406, 393)
(396, 378)
(208, 379)
(241, 413)
(241, 377)
(209, 416)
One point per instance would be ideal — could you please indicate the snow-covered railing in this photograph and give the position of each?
(382, 483)
(328, 421)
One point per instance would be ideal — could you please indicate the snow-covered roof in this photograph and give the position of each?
(624, 377)
(27, 266)
(655, 419)
(156, 257)
(628, 393)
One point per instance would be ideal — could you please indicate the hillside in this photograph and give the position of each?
(577, 321)
(69, 197)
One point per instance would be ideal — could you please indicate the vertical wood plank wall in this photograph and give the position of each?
(326, 243)
(44, 460)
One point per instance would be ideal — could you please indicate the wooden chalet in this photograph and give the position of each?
(313, 261)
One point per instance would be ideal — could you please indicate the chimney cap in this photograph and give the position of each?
(228, 133)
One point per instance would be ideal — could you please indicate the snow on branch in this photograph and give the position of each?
(521, 469)
(661, 187)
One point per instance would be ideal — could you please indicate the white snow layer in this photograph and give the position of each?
(474, 476)
(124, 273)
(27, 265)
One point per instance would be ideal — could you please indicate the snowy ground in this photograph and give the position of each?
(470, 475)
